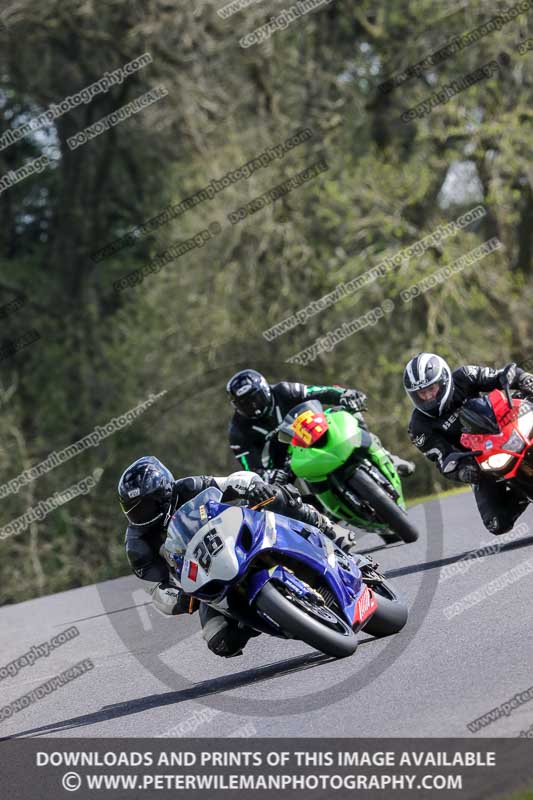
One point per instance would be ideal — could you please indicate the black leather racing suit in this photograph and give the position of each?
(498, 505)
(223, 636)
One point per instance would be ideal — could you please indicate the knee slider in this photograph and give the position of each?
(222, 638)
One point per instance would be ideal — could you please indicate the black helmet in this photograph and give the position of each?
(424, 371)
(145, 491)
(250, 393)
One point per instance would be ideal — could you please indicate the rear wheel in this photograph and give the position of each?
(316, 625)
(386, 508)
(391, 614)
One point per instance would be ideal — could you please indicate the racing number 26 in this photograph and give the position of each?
(210, 545)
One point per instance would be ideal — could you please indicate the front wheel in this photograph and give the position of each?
(391, 614)
(386, 508)
(316, 625)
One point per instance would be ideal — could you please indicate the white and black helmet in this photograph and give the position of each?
(423, 371)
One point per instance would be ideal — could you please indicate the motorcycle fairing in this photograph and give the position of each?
(245, 534)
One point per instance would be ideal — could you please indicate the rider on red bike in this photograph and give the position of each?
(435, 428)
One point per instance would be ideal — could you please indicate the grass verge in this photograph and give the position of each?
(416, 501)
(526, 794)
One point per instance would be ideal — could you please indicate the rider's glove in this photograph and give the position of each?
(170, 600)
(468, 472)
(278, 477)
(525, 383)
(508, 375)
(353, 399)
(259, 491)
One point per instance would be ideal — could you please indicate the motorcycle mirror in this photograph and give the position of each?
(450, 465)
(275, 434)
(284, 437)
(451, 462)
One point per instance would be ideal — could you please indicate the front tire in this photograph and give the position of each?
(332, 636)
(391, 614)
(386, 509)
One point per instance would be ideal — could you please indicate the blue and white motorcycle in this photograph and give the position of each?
(279, 576)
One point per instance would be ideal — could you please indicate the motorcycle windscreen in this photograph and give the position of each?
(286, 431)
(477, 416)
(188, 519)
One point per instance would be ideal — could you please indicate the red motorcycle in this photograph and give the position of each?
(498, 432)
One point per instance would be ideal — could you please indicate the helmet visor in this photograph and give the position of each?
(429, 398)
(252, 403)
(142, 510)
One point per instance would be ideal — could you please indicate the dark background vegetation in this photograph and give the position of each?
(191, 325)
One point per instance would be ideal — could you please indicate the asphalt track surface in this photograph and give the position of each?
(154, 677)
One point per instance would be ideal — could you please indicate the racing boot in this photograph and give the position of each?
(225, 637)
(403, 467)
(342, 537)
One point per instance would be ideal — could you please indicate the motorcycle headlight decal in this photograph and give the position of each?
(514, 443)
(525, 424)
(498, 461)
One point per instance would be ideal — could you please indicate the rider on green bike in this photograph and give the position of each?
(260, 408)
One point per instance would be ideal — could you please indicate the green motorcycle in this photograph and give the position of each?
(344, 466)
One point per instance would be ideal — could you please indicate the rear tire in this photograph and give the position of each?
(391, 614)
(386, 509)
(337, 640)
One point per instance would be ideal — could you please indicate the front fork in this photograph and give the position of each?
(282, 575)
